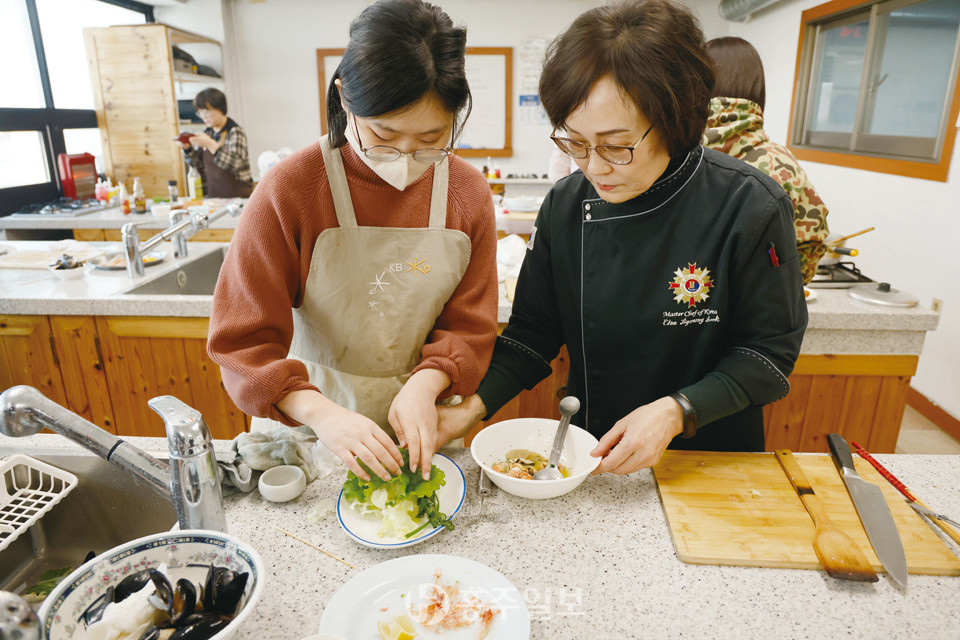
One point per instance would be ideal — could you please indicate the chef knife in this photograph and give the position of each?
(873, 511)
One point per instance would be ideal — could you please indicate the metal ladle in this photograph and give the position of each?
(568, 407)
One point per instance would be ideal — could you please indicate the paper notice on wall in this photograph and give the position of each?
(532, 52)
(531, 111)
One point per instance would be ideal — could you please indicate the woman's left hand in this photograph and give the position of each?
(638, 439)
(413, 416)
(205, 141)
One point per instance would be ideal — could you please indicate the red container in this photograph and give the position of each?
(78, 174)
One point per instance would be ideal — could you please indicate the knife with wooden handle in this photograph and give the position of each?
(873, 511)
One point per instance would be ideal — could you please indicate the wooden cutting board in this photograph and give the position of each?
(41, 259)
(739, 509)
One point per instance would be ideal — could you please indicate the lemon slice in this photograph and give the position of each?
(400, 628)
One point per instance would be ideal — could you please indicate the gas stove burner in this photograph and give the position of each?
(839, 275)
(63, 208)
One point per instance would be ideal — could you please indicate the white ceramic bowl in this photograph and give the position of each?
(282, 483)
(187, 554)
(536, 434)
(67, 274)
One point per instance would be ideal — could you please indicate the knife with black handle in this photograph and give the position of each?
(873, 511)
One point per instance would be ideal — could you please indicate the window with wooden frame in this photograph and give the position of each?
(877, 86)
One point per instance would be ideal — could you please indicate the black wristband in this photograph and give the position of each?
(689, 414)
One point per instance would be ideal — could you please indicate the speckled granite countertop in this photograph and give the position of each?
(99, 292)
(604, 550)
(112, 218)
(838, 324)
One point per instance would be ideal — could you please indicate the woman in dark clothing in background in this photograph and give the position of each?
(220, 153)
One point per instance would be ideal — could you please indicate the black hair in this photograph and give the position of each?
(655, 52)
(399, 51)
(211, 99)
(739, 70)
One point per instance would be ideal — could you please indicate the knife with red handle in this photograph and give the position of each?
(937, 519)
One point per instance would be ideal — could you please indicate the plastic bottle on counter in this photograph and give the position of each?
(101, 191)
(139, 199)
(172, 191)
(194, 184)
(124, 199)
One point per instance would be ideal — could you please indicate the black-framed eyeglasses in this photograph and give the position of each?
(388, 154)
(612, 153)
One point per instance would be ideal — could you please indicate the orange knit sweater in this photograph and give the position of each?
(264, 275)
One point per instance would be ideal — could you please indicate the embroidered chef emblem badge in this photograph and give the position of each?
(691, 285)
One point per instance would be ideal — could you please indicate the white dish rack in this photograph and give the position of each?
(30, 489)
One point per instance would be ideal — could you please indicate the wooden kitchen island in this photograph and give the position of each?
(103, 355)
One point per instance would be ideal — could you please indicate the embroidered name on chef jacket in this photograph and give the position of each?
(689, 287)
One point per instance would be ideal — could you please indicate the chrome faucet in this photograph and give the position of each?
(182, 226)
(191, 481)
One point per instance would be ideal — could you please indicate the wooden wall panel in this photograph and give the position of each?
(858, 413)
(890, 407)
(823, 411)
(82, 370)
(148, 357)
(138, 369)
(212, 400)
(27, 356)
(783, 420)
(132, 75)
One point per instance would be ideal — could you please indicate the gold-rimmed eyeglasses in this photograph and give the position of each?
(612, 153)
(388, 154)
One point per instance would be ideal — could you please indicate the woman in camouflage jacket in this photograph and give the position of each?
(735, 127)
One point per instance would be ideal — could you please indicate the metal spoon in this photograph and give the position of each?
(568, 407)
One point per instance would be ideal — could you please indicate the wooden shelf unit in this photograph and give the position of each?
(135, 92)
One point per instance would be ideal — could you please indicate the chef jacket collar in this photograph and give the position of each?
(665, 188)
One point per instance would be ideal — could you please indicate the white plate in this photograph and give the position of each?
(150, 259)
(364, 529)
(809, 294)
(355, 608)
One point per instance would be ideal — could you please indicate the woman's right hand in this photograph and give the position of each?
(346, 433)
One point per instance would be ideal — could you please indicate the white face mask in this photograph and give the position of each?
(399, 173)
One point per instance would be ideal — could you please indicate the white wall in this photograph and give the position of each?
(276, 43)
(917, 221)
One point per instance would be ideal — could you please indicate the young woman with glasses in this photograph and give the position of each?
(668, 270)
(361, 284)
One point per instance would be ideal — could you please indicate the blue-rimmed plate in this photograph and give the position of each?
(364, 528)
(383, 592)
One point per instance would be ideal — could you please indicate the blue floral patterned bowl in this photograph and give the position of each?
(187, 554)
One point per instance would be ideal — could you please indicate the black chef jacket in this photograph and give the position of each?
(698, 274)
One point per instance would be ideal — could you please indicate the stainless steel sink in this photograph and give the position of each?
(107, 507)
(197, 278)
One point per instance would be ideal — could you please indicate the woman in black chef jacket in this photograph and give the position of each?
(670, 271)
(220, 153)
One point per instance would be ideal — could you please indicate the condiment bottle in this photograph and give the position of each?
(139, 199)
(100, 191)
(194, 184)
(172, 190)
(124, 199)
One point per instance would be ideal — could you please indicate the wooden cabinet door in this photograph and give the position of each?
(145, 357)
(27, 356)
(82, 369)
(540, 402)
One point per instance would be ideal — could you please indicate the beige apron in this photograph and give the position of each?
(372, 298)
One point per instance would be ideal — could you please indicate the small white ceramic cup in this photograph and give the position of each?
(283, 483)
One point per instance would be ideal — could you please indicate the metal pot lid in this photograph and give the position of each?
(882, 294)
